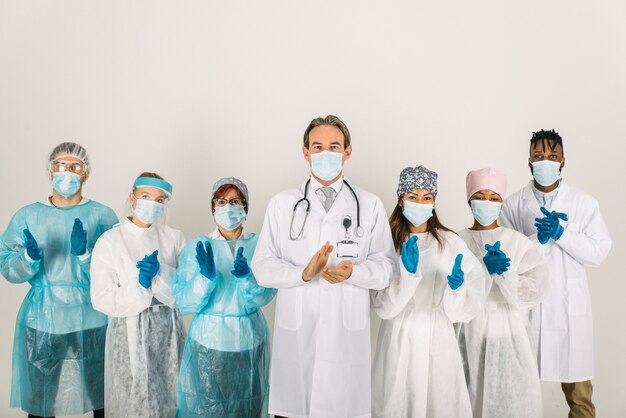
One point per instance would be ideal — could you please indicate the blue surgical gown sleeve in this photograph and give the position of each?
(191, 289)
(254, 296)
(108, 220)
(15, 266)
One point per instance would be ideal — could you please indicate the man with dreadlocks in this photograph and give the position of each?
(571, 234)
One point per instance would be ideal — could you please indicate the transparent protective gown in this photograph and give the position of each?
(500, 366)
(58, 350)
(145, 336)
(224, 372)
(418, 370)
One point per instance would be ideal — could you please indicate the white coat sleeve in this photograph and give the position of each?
(591, 246)
(164, 280)
(269, 268)
(111, 294)
(529, 284)
(464, 303)
(377, 269)
(390, 301)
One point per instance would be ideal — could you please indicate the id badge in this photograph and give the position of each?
(347, 249)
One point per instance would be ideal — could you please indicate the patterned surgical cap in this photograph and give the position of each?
(412, 178)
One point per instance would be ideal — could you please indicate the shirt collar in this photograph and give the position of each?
(336, 186)
(547, 195)
(216, 235)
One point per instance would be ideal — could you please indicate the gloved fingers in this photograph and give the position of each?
(457, 264)
(545, 211)
(559, 215)
(28, 237)
(209, 249)
(239, 252)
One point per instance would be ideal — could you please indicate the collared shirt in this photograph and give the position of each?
(546, 199)
(316, 186)
(217, 235)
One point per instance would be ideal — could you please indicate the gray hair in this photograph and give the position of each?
(330, 120)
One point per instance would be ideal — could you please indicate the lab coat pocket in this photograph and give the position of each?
(289, 307)
(577, 296)
(355, 307)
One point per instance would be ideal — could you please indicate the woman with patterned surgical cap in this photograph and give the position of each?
(500, 366)
(225, 365)
(58, 350)
(133, 269)
(418, 371)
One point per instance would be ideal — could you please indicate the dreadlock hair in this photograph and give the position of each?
(551, 137)
(400, 227)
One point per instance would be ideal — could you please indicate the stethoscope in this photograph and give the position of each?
(346, 222)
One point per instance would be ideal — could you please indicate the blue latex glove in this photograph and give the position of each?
(204, 257)
(457, 277)
(496, 260)
(549, 226)
(32, 249)
(78, 238)
(241, 267)
(410, 255)
(148, 268)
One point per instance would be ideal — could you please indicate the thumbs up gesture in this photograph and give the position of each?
(457, 277)
(241, 268)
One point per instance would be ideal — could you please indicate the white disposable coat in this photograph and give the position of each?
(145, 336)
(500, 366)
(418, 371)
(321, 350)
(561, 327)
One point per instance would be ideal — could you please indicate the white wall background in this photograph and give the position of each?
(198, 90)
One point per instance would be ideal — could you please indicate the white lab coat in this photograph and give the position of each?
(321, 350)
(145, 336)
(561, 327)
(500, 365)
(418, 370)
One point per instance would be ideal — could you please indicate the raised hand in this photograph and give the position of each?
(496, 260)
(32, 249)
(317, 262)
(410, 255)
(78, 239)
(241, 268)
(205, 259)
(457, 277)
(148, 268)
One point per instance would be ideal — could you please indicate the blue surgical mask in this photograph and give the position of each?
(65, 183)
(229, 217)
(326, 165)
(417, 213)
(546, 172)
(149, 211)
(485, 211)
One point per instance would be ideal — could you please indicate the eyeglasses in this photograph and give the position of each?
(236, 201)
(74, 167)
(147, 196)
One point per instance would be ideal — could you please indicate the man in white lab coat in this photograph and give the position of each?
(323, 245)
(571, 234)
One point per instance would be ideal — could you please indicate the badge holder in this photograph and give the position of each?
(347, 248)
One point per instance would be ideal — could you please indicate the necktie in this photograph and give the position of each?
(329, 197)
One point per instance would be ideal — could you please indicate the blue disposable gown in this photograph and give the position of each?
(58, 350)
(224, 372)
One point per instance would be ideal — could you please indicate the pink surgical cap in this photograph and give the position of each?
(485, 179)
